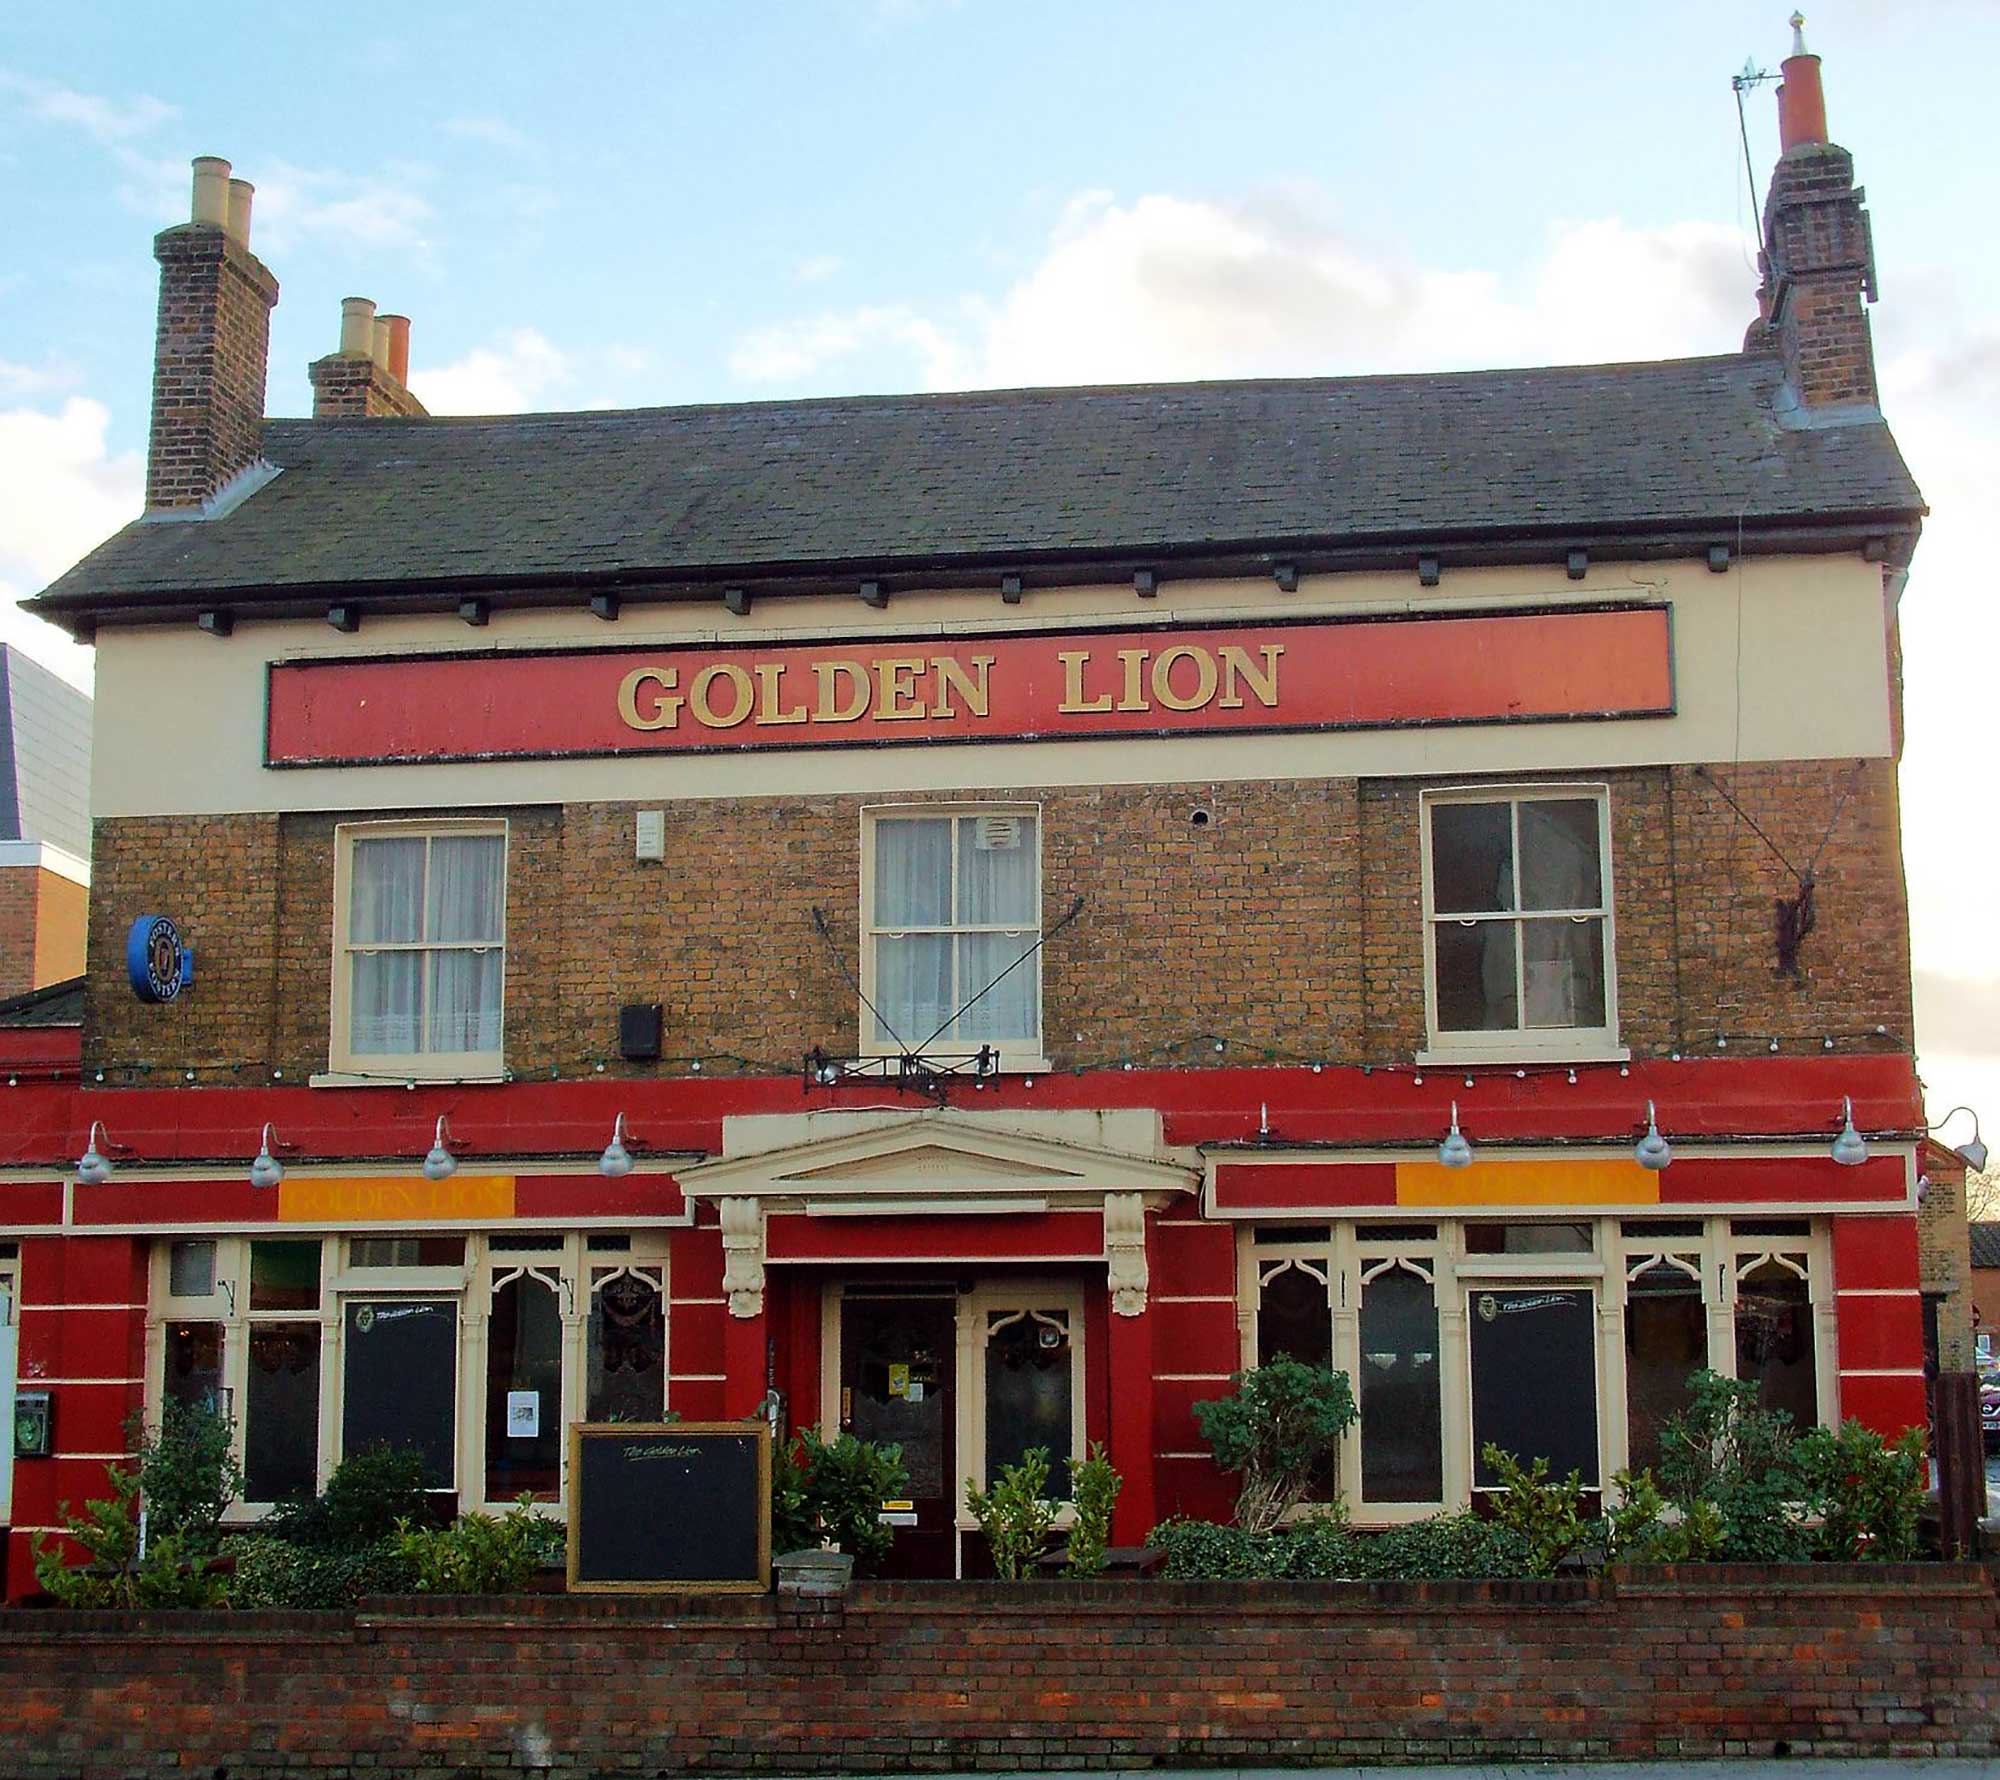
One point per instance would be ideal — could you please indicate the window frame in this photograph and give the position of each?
(1566, 1044)
(1618, 1242)
(342, 1058)
(1025, 1055)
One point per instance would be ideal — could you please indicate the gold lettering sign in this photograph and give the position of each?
(392, 1199)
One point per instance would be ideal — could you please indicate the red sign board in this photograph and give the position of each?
(1496, 667)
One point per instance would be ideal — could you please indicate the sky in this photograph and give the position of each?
(697, 200)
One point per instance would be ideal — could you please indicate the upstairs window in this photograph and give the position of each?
(420, 952)
(1517, 912)
(952, 913)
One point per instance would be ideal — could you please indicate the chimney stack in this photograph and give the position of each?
(1818, 261)
(366, 378)
(212, 347)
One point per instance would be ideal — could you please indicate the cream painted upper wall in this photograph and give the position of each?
(1774, 660)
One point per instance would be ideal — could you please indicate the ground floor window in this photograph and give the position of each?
(476, 1349)
(1571, 1339)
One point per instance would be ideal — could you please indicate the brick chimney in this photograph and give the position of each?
(367, 378)
(213, 345)
(1818, 262)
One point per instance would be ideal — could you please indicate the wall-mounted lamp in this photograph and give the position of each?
(616, 1162)
(1972, 1153)
(266, 1171)
(1849, 1149)
(1652, 1152)
(441, 1164)
(93, 1167)
(1455, 1152)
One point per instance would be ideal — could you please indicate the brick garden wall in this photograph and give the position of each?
(1289, 921)
(1643, 1665)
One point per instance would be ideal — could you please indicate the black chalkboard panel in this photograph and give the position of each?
(669, 1506)
(1534, 1378)
(401, 1385)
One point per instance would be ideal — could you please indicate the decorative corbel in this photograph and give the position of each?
(743, 1255)
(1125, 1252)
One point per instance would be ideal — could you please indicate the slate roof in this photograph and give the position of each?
(1986, 1245)
(54, 1004)
(871, 483)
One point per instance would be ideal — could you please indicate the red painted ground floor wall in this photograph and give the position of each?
(963, 1330)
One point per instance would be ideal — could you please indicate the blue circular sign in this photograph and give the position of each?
(159, 962)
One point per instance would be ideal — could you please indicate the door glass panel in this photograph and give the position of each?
(523, 1390)
(1402, 1430)
(628, 1351)
(1666, 1340)
(281, 1436)
(194, 1365)
(1294, 1319)
(896, 1369)
(1774, 1340)
(191, 1269)
(1029, 1392)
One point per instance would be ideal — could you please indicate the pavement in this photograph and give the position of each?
(1870, 1768)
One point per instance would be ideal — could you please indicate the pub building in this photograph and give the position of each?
(972, 918)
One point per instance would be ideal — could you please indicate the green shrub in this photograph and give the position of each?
(1016, 1514)
(1640, 1530)
(1325, 1547)
(271, 1572)
(834, 1490)
(1743, 1461)
(187, 1474)
(172, 1573)
(1548, 1517)
(477, 1554)
(1093, 1487)
(1868, 1492)
(369, 1495)
(1279, 1432)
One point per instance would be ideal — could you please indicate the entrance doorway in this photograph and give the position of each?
(898, 1382)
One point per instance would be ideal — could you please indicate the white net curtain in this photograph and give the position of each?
(957, 901)
(425, 927)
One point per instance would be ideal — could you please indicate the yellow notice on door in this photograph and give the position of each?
(899, 1379)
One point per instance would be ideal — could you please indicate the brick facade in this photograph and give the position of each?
(42, 921)
(1189, 928)
(213, 349)
(1659, 1665)
(1818, 266)
(358, 389)
(1944, 1254)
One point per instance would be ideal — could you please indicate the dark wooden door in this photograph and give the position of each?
(898, 1383)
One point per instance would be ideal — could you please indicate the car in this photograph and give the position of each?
(1989, 1410)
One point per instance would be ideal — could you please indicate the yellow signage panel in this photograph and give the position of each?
(390, 1199)
(1597, 1180)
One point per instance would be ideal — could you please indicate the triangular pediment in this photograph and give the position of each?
(932, 1156)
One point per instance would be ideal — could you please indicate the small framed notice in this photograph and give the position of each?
(669, 1507)
(524, 1415)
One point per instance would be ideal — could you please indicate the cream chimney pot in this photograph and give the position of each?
(378, 343)
(211, 191)
(241, 191)
(357, 327)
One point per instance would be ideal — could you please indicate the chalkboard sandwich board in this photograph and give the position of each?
(669, 1507)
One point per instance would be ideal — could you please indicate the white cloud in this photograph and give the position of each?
(370, 210)
(62, 492)
(108, 121)
(1169, 287)
(818, 269)
(495, 132)
(507, 378)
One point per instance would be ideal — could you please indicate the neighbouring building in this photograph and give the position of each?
(972, 918)
(44, 825)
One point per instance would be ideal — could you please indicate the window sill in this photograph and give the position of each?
(343, 1078)
(1592, 1049)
